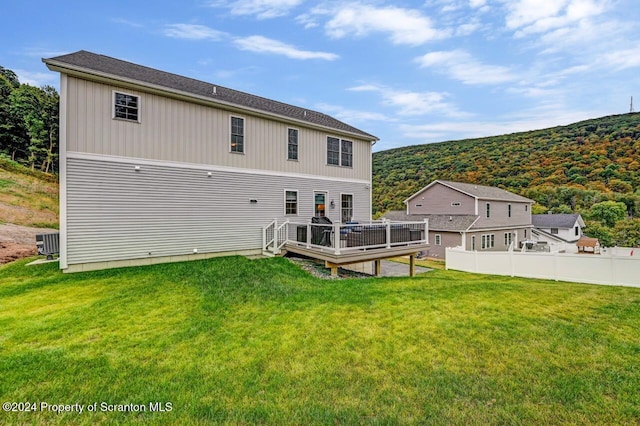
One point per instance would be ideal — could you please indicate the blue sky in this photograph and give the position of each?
(409, 72)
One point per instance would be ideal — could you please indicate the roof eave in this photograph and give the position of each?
(104, 77)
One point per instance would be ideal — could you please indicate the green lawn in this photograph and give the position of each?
(240, 341)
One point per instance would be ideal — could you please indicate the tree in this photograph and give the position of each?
(626, 233)
(597, 230)
(608, 212)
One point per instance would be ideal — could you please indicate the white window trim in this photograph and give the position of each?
(437, 239)
(298, 141)
(353, 204)
(113, 106)
(487, 210)
(244, 134)
(340, 140)
(297, 202)
(486, 241)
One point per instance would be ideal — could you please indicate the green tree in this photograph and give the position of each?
(608, 212)
(597, 230)
(626, 233)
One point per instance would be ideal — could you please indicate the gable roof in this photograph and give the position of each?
(83, 63)
(479, 192)
(556, 220)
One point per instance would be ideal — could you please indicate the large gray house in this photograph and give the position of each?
(156, 167)
(476, 217)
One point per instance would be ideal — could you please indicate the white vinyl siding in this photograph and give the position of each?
(188, 132)
(117, 213)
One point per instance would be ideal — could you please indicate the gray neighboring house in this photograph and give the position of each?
(557, 228)
(474, 216)
(157, 167)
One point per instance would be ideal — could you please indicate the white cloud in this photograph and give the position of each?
(262, 44)
(413, 103)
(460, 65)
(36, 78)
(403, 26)
(350, 115)
(539, 16)
(262, 9)
(193, 32)
(127, 22)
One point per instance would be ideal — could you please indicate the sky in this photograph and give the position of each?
(408, 72)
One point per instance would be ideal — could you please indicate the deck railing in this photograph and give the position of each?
(340, 238)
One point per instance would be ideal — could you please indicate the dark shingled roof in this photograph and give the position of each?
(554, 220)
(87, 62)
(437, 222)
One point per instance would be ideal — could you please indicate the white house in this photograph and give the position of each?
(557, 228)
(156, 167)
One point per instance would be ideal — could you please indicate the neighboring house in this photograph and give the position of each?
(156, 167)
(473, 216)
(557, 228)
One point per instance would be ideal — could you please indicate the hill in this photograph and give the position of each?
(28, 206)
(565, 168)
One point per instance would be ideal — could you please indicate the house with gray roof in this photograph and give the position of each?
(474, 216)
(557, 228)
(158, 167)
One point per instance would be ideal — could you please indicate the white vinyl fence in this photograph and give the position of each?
(615, 266)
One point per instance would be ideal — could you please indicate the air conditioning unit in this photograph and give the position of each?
(48, 244)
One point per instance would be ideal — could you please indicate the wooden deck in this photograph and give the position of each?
(333, 261)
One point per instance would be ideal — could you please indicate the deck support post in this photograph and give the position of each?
(333, 267)
(412, 265)
(378, 266)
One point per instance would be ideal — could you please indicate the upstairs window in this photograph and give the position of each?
(125, 106)
(554, 231)
(333, 151)
(488, 209)
(347, 154)
(509, 210)
(237, 135)
(339, 152)
(292, 144)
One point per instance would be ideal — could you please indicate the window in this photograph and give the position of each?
(292, 144)
(237, 134)
(346, 156)
(509, 210)
(438, 239)
(333, 151)
(455, 204)
(291, 202)
(488, 210)
(525, 233)
(526, 207)
(507, 238)
(339, 152)
(554, 231)
(473, 242)
(418, 205)
(126, 106)
(319, 199)
(488, 241)
(347, 207)
(577, 231)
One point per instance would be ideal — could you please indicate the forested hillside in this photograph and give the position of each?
(565, 169)
(28, 123)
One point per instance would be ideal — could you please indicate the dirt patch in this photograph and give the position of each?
(17, 242)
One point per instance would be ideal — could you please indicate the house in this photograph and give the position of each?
(557, 228)
(157, 167)
(474, 216)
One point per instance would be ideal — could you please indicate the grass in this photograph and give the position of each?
(239, 341)
(26, 197)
